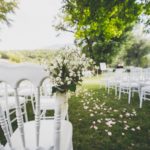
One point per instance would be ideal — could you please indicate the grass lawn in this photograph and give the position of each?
(102, 122)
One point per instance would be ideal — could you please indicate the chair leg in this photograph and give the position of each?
(25, 112)
(129, 96)
(9, 122)
(67, 117)
(141, 99)
(43, 114)
(132, 94)
(115, 90)
(32, 103)
(119, 93)
(108, 90)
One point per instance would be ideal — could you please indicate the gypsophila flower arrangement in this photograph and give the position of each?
(66, 70)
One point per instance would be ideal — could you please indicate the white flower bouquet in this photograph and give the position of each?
(67, 69)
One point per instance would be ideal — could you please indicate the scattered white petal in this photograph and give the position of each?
(91, 115)
(138, 128)
(94, 122)
(109, 133)
(99, 121)
(127, 114)
(121, 116)
(86, 107)
(123, 133)
(133, 129)
(95, 127)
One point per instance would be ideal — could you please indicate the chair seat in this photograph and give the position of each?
(11, 102)
(46, 136)
(47, 103)
(127, 84)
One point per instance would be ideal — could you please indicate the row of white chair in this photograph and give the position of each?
(130, 82)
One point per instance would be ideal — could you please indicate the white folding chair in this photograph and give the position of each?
(145, 94)
(37, 134)
(132, 84)
(114, 80)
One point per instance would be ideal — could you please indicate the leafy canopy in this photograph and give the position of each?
(99, 25)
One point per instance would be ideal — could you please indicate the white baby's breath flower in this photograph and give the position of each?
(68, 82)
(58, 79)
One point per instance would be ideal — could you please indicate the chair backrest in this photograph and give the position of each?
(146, 74)
(47, 87)
(136, 74)
(13, 75)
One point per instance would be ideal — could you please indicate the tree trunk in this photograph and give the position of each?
(90, 48)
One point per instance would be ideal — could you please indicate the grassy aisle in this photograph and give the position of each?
(102, 122)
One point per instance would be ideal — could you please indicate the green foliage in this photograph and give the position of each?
(100, 26)
(36, 56)
(4, 55)
(14, 57)
(5, 8)
(136, 54)
(146, 13)
(133, 51)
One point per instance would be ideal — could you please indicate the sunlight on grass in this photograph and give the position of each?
(101, 121)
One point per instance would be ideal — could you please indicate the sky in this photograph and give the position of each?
(32, 28)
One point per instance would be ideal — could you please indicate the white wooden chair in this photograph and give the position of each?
(131, 85)
(145, 94)
(37, 134)
(7, 101)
